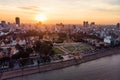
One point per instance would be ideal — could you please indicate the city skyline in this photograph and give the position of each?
(65, 11)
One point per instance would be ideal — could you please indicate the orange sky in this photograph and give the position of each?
(65, 11)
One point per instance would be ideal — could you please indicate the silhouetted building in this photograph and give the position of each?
(60, 24)
(17, 21)
(3, 23)
(85, 24)
(92, 24)
(118, 25)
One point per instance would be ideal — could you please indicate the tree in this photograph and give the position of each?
(45, 50)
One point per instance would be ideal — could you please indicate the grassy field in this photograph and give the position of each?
(83, 48)
(79, 48)
(58, 51)
(70, 48)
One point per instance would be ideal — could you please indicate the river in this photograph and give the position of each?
(106, 68)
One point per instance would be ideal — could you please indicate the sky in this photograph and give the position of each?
(65, 11)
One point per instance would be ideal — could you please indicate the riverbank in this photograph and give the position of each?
(58, 65)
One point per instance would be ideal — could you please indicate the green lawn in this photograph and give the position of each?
(84, 48)
(80, 48)
(70, 48)
(58, 51)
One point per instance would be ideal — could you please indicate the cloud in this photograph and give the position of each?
(31, 8)
(108, 10)
(114, 2)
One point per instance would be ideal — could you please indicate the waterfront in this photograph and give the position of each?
(106, 68)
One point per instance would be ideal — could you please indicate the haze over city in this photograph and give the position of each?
(59, 39)
(65, 11)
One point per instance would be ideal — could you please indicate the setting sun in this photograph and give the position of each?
(40, 17)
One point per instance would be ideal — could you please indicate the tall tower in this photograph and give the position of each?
(17, 21)
(85, 24)
(3, 23)
(118, 25)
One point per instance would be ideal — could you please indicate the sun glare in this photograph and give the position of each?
(40, 17)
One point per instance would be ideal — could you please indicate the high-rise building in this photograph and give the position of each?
(118, 25)
(92, 24)
(85, 24)
(3, 23)
(17, 21)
